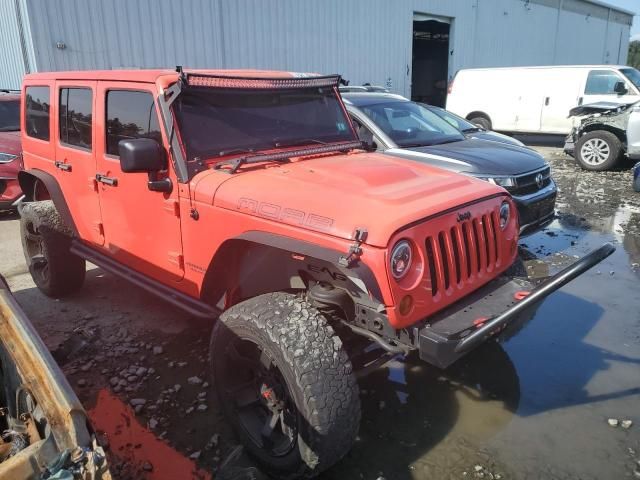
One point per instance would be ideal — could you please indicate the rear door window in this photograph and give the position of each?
(76, 107)
(602, 82)
(130, 114)
(37, 105)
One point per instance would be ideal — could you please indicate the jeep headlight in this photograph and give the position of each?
(501, 181)
(400, 260)
(505, 215)
(7, 157)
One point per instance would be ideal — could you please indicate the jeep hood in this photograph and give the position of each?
(474, 155)
(337, 194)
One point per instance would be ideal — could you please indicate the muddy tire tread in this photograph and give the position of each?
(321, 368)
(66, 270)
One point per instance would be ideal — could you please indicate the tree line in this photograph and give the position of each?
(633, 60)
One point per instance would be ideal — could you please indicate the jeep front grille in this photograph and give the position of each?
(460, 254)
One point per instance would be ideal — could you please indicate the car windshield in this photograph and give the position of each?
(632, 74)
(216, 122)
(411, 125)
(9, 115)
(456, 121)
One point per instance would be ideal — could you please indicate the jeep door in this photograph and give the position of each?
(142, 227)
(75, 161)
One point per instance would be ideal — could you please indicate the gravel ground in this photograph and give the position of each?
(537, 406)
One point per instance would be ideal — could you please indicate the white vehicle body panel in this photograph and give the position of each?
(532, 99)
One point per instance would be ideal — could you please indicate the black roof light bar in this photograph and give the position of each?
(267, 83)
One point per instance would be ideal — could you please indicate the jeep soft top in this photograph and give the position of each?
(245, 197)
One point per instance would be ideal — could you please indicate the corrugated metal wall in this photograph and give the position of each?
(365, 40)
(16, 49)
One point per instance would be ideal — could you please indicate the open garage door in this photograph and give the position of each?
(430, 59)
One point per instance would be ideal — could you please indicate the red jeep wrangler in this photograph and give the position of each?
(245, 197)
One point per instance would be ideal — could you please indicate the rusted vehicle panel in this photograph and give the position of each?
(45, 428)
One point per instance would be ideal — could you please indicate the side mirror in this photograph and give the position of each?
(141, 155)
(620, 88)
(147, 156)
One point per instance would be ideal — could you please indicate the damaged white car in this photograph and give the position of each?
(605, 133)
(44, 431)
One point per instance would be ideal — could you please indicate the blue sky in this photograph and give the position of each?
(634, 6)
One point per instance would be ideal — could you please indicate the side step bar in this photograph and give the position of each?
(190, 305)
(441, 345)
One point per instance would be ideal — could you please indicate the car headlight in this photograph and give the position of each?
(505, 214)
(505, 182)
(7, 157)
(401, 257)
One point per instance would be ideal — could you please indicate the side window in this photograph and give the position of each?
(75, 116)
(37, 112)
(601, 82)
(130, 114)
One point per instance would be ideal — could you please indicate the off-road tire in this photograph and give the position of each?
(610, 142)
(58, 272)
(482, 122)
(315, 368)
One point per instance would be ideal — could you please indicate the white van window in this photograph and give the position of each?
(632, 74)
(601, 82)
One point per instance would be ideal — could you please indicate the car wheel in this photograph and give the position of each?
(286, 384)
(482, 122)
(46, 243)
(598, 151)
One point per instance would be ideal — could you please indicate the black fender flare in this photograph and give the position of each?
(357, 275)
(27, 179)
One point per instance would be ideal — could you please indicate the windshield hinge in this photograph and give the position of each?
(355, 250)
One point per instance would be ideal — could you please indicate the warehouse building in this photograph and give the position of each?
(411, 46)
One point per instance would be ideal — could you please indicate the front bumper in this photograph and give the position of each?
(460, 328)
(536, 210)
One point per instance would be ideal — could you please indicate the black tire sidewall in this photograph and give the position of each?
(292, 460)
(66, 270)
(615, 147)
(326, 396)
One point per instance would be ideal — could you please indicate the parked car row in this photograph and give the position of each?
(396, 126)
(10, 159)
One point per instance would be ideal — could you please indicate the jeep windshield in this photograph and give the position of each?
(411, 125)
(220, 122)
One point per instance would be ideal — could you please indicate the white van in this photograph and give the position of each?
(537, 99)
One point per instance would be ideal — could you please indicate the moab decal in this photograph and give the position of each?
(285, 214)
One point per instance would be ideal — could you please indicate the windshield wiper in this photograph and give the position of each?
(472, 129)
(236, 163)
(223, 153)
(448, 140)
(285, 156)
(297, 143)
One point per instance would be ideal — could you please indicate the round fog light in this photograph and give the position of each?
(405, 304)
(505, 214)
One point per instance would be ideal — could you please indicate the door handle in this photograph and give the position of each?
(113, 182)
(65, 167)
(546, 101)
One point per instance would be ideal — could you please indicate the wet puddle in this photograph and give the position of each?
(134, 451)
